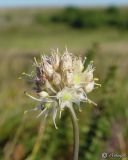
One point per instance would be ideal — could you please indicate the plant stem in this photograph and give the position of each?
(75, 132)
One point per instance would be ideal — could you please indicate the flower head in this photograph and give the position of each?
(61, 81)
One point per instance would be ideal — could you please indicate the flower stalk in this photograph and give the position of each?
(75, 132)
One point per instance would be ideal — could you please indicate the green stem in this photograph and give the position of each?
(75, 132)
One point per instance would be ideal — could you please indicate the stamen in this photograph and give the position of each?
(36, 63)
(84, 60)
(29, 75)
(66, 48)
(61, 110)
(96, 79)
(30, 110)
(90, 101)
(97, 84)
(41, 113)
(32, 97)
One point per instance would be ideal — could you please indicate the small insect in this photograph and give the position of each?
(41, 106)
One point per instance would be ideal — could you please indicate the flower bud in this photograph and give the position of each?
(66, 62)
(55, 60)
(43, 94)
(56, 78)
(88, 73)
(47, 67)
(89, 87)
(88, 76)
(78, 65)
(68, 77)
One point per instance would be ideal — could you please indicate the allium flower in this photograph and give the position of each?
(61, 81)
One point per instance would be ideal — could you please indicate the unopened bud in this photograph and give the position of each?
(66, 62)
(47, 67)
(78, 64)
(68, 77)
(55, 61)
(89, 87)
(88, 76)
(43, 94)
(56, 78)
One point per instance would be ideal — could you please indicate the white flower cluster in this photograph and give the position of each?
(61, 81)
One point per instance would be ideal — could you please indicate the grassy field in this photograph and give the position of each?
(102, 129)
(21, 33)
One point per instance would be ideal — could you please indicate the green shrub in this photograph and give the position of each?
(91, 18)
(39, 18)
(112, 10)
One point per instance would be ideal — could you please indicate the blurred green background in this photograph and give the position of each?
(101, 34)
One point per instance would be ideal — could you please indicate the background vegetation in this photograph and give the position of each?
(101, 34)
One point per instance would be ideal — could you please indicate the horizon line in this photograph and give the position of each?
(62, 6)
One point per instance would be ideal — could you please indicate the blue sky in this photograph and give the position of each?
(15, 3)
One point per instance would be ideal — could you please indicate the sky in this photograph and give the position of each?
(22, 3)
